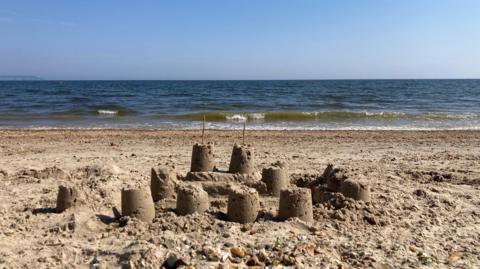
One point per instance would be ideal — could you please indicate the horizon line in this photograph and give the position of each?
(282, 79)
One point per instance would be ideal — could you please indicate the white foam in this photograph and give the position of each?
(107, 112)
(237, 117)
(256, 116)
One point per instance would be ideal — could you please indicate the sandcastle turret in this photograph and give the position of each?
(190, 199)
(243, 205)
(162, 183)
(202, 158)
(275, 178)
(334, 177)
(138, 203)
(296, 202)
(355, 190)
(66, 198)
(242, 161)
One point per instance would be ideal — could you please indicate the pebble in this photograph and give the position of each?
(237, 252)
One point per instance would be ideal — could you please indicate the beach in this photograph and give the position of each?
(424, 210)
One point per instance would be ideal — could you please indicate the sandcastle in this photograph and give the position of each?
(190, 199)
(138, 203)
(162, 184)
(242, 160)
(202, 158)
(334, 177)
(192, 196)
(243, 205)
(355, 190)
(276, 178)
(337, 181)
(67, 197)
(296, 202)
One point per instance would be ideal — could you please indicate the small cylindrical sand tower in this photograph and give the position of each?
(296, 202)
(243, 205)
(355, 190)
(66, 198)
(202, 158)
(242, 161)
(162, 184)
(276, 178)
(335, 178)
(138, 203)
(191, 199)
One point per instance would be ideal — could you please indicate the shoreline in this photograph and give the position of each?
(81, 129)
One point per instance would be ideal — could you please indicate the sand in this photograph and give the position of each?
(424, 208)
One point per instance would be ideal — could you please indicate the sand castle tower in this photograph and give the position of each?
(243, 205)
(296, 202)
(190, 199)
(334, 177)
(138, 203)
(242, 160)
(202, 158)
(67, 197)
(276, 178)
(162, 183)
(355, 190)
(202, 155)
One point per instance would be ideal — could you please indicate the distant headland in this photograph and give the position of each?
(20, 78)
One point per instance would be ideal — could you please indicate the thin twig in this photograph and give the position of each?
(203, 129)
(244, 125)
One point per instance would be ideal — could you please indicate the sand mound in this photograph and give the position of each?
(46, 173)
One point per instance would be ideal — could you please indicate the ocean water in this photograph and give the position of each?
(275, 105)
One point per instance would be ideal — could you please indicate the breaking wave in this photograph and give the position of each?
(294, 116)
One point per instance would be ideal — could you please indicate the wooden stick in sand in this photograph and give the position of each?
(203, 129)
(244, 125)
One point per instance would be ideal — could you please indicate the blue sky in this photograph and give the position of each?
(243, 39)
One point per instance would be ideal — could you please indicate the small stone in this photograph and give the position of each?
(236, 260)
(211, 254)
(454, 256)
(288, 260)
(253, 261)
(224, 256)
(237, 252)
(170, 262)
(263, 256)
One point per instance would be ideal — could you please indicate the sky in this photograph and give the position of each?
(243, 39)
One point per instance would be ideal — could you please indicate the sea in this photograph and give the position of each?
(259, 104)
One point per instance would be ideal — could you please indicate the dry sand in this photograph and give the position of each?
(424, 210)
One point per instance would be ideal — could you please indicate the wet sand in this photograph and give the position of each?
(424, 210)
